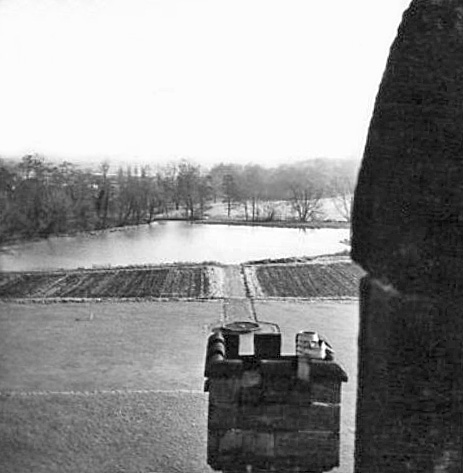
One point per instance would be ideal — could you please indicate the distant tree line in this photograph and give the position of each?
(39, 198)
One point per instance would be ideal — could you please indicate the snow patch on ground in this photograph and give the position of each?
(216, 275)
(252, 282)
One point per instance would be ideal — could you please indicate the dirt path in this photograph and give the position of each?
(236, 305)
(238, 310)
(234, 283)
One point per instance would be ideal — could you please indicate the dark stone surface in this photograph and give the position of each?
(409, 403)
(408, 206)
(408, 235)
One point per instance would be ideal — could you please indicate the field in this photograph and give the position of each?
(157, 282)
(104, 433)
(118, 387)
(331, 280)
(87, 346)
(128, 382)
(313, 278)
(283, 210)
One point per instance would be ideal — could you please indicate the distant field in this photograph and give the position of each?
(169, 281)
(335, 280)
(283, 210)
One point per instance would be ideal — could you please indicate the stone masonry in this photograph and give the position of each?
(408, 236)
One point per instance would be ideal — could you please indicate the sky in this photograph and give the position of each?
(153, 81)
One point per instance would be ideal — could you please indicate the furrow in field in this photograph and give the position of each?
(308, 280)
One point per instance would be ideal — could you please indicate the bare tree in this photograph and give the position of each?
(254, 189)
(344, 193)
(231, 191)
(103, 196)
(306, 202)
(267, 211)
(189, 180)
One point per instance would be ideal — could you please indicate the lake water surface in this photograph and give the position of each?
(167, 242)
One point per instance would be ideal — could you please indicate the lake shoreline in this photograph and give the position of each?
(329, 258)
(165, 241)
(228, 222)
(276, 223)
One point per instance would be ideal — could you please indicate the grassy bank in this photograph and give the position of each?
(275, 223)
(13, 240)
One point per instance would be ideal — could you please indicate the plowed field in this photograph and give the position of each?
(309, 280)
(178, 281)
(325, 279)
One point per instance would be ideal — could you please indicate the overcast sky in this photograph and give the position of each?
(267, 81)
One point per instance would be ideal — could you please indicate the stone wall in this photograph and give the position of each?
(408, 206)
(408, 236)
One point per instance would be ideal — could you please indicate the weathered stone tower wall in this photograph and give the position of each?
(408, 236)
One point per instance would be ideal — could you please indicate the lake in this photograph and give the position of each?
(168, 242)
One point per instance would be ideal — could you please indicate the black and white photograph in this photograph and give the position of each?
(231, 236)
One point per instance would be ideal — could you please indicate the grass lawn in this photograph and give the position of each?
(104, 433)
(83, 347)
(138, 346)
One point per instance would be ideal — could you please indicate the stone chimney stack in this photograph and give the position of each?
(408, 235)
